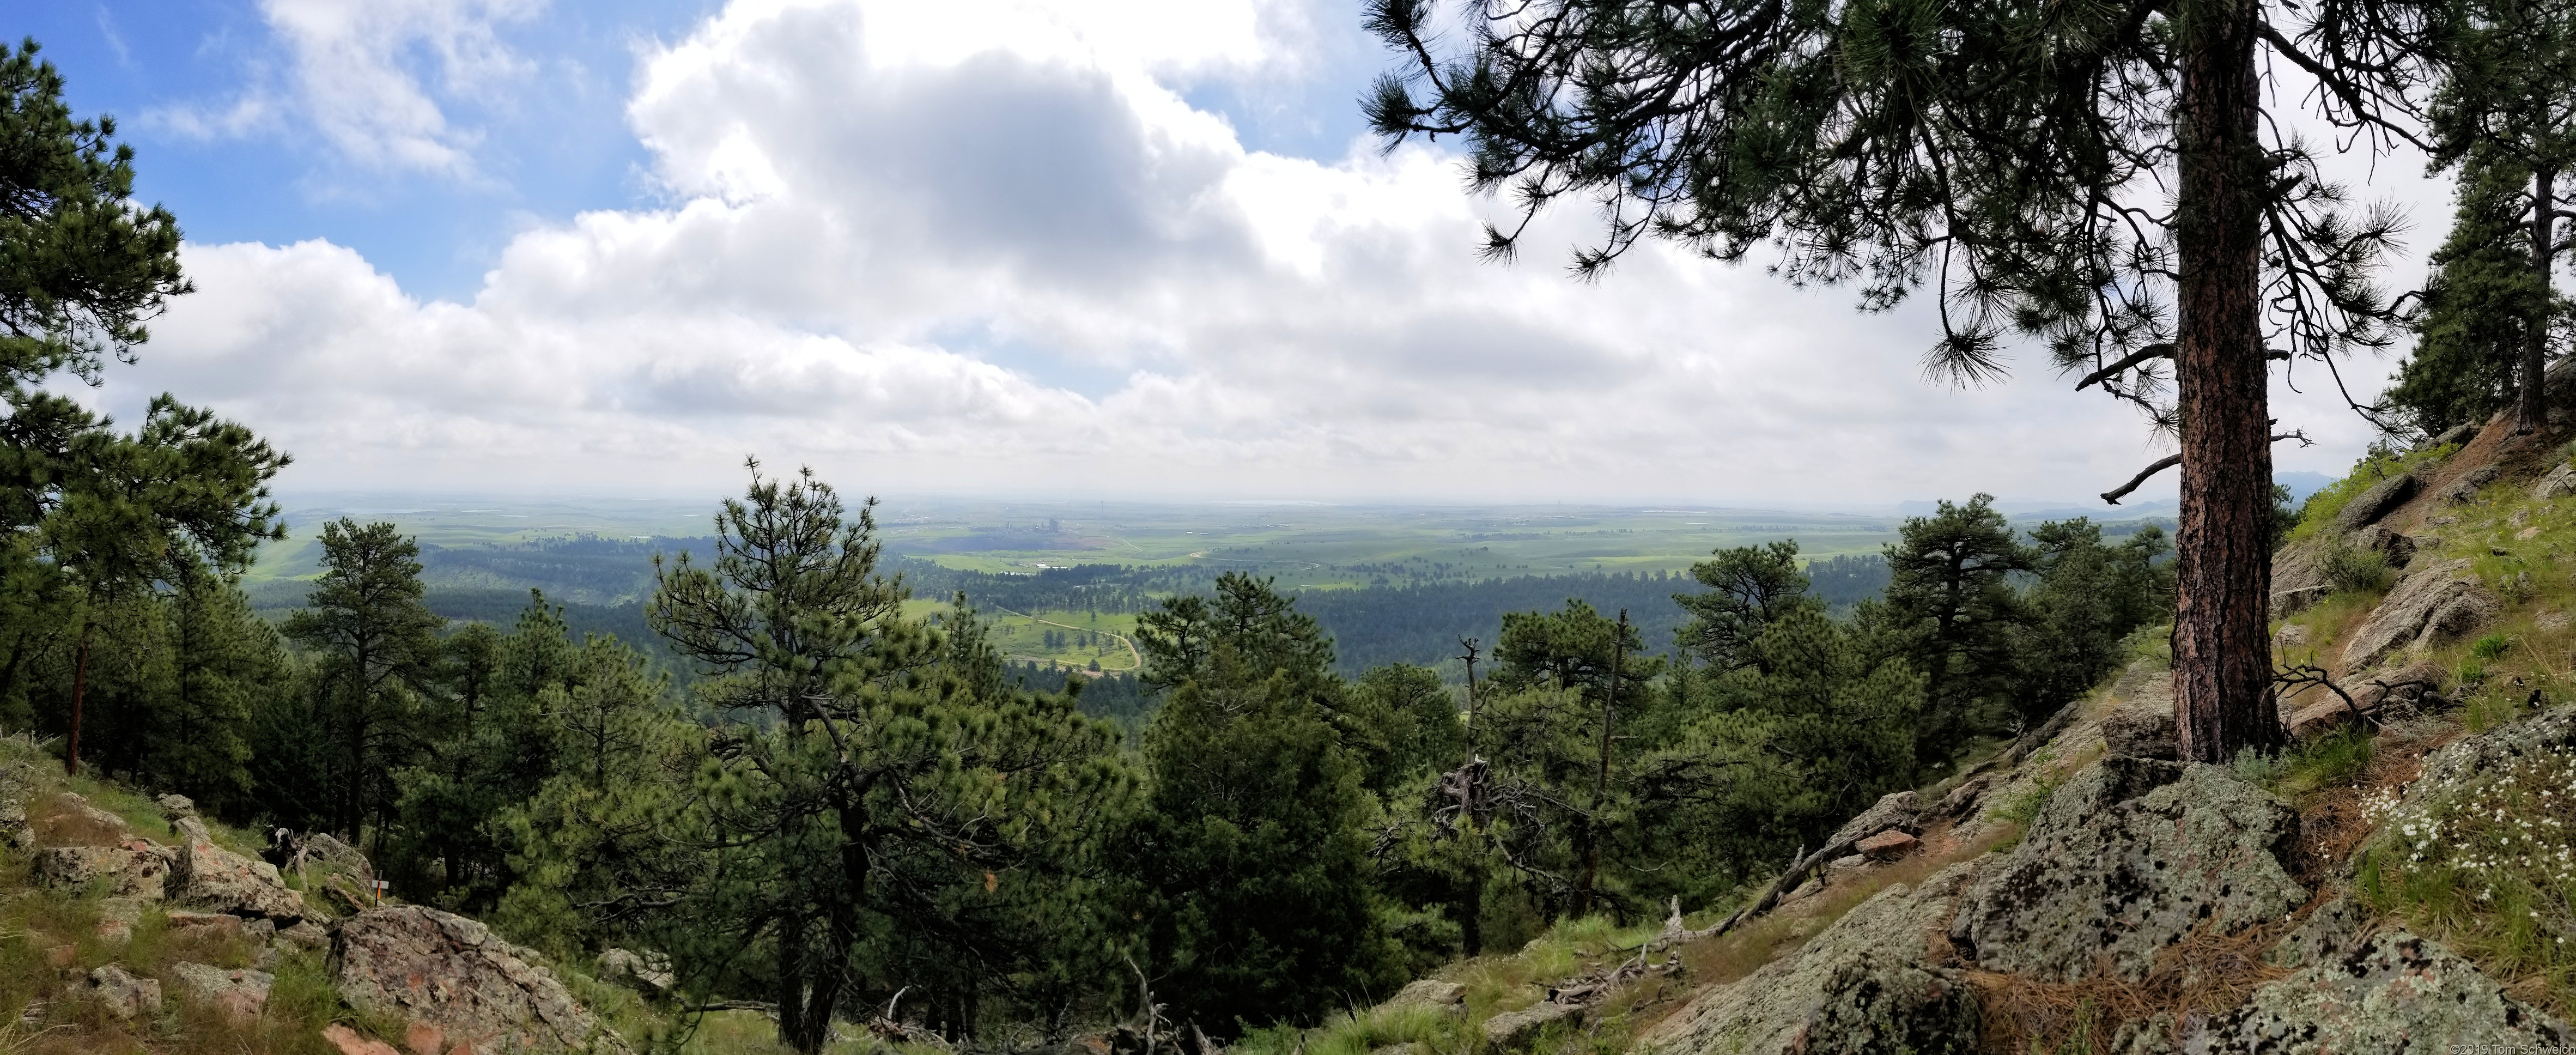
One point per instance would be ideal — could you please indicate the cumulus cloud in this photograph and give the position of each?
(990, 246)
(369, 77)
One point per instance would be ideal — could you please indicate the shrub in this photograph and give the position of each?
(2357, 570)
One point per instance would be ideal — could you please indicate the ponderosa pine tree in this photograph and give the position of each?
(2506, 112)
(1952, 611)
(376, 650)
(2100, 178)
(2470, 336)
(1749, 588)
(90, 512)
(870, 787)
(1249, 863)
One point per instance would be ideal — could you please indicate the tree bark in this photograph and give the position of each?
(2531, 409)
(80, 682)
(2222, 656)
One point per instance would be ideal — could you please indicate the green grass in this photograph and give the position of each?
(2319, 510)
(2486, 869)
(2022, 807)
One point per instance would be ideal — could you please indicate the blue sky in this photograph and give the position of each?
(549, 142)
(1029, 248)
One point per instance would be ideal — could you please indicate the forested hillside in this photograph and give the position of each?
(2062, 786)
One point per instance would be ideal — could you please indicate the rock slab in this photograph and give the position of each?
(210, 877)
(2127, 858)
(2381, 499)
(1429, 992)
(124, 995)
(1864, 984)
(120, 871)
(1893, 812)
(2428, 605)
(239, 992)
(2395, 992)
(454, 975)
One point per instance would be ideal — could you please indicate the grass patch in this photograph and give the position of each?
(2022, 807)
(2488, 869)
(2318, 512)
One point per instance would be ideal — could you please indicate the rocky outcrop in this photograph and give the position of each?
(2141, 732)
(648, 972)
(2462, 761)
(1431, 993)
(2464, 488)
(19, 782)
(2378, 501)
(238, 992)
(207, 876)
(2429, 605)
(2299, 576)
(1887, 846)
(1896, 812)
(136, 870)
(2393, 992)
(1516, 1029)
(2398, 550)
(124, 995)
(2556, 483)
(1866, 983)
(445, 973)
(2127, 858)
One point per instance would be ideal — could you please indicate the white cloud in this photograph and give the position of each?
(989, 246)
(369, 77)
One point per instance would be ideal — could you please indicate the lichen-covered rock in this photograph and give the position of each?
(207, 876)
(2462, 760)
(215, 924)
(2395, 993)
(124, 995)
(2331, 930)
(453, 975)
(1894, 811)
(1429, 992)
(2299, 576)
(1515, 1029)
(305, 935)
(2141, 732)
(2381, 499)
(1864, 984)
(2127, 858)
(238, 992)
(118, 871)
(2428, 605)
(19, 782)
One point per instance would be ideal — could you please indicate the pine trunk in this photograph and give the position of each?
(2531, 409)
(2222, 656)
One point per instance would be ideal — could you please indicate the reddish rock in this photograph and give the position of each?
(425, 967)
(1887, 846)
(208, 876)
(350, 1043)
